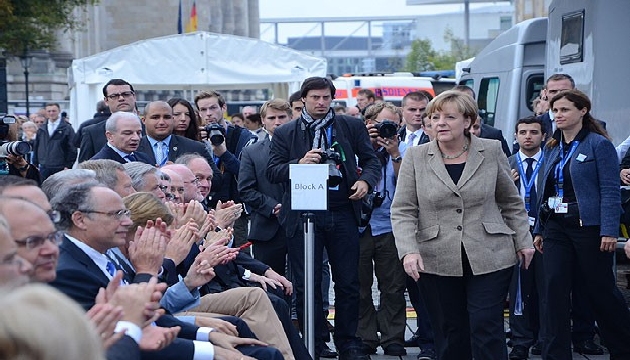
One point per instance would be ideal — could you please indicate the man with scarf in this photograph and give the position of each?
(302, 141)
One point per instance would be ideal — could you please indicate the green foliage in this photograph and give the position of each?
(32, 24)
(423, 57)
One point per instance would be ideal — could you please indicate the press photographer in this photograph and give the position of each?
(13, 153)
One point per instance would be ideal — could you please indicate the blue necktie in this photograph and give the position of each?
(412, 137)
(532, 191)
(131, 157)
(111, 268)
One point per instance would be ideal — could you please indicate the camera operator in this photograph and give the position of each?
(13, 153)
(304, 141)
(226, 142)
(377, 248)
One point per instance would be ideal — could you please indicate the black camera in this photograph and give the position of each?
(332, 158)
(16, 148)
(215, 133)
(386, 129)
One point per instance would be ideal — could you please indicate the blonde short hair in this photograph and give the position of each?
(464, 103)
(39, 322)
(372, 111)
(146, 206)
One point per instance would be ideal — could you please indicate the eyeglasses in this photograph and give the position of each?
(33, 242)
(118, 215)
(164, 188)
(125, 94)
(194, 181)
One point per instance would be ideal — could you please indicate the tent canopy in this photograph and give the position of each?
(190, 62)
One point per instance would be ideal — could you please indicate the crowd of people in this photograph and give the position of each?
(167, 232)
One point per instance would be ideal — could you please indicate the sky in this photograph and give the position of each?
(340, 8)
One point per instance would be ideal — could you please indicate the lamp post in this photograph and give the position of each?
(25, 60)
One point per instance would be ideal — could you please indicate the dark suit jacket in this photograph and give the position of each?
(291, 141)
(92, 140)
(257, 192)
(124, 349)
(80, 278)
(402, 134)
(489, 132)
(98, 117)
(179, 146)
(109, 153)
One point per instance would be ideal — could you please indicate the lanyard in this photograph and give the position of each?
(528, 183)
(560, 166)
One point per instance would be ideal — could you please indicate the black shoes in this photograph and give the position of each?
(395, 350)
(412, 341)
(427, 354)
(353, 354)
(588, 347)
(519, 352)
(328, 352)
(536, 349)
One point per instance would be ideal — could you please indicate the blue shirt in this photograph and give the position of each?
(381, 222)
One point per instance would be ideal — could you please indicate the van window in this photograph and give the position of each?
(468, 82)
(534, 84)
(571, 49)
(487, 99)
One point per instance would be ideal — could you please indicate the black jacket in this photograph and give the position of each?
(98, 118)
(55, 151)
(291, 141)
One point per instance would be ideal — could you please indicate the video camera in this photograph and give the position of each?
(332, 158)
(215, 133)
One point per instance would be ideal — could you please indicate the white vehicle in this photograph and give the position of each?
(585, 39)
(392, 87)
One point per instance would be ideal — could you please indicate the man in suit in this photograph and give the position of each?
(53, 150)
(302, 141)
(263, 198)
(119, 95)
(102, 114)
(414, 105)
(226, 154)
(94, 219)
(123, 131)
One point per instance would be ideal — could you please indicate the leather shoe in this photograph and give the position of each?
(588, 347)
(412, 341)
(369, 349)
(394, 350)
(328, 353)
(536, 349)
(427, 354)
(519, 352)
(353, 354)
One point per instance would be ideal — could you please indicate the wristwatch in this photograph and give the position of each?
(397, 159)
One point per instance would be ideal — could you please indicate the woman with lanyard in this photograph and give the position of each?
(578, 227)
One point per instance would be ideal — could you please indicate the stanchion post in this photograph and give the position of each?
(309, 286)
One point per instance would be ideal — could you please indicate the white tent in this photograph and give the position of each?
(189, 62)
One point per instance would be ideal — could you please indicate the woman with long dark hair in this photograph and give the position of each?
(186, 119)
(578, 226)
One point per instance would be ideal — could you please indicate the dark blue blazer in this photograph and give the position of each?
(98, 117)
(124, 349)
(109, 153)
(179, 146)
(489, 132)
(257, 192)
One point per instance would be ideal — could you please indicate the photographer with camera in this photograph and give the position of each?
(378, 254)
(226, 142)
(344, 141)
(13, 153)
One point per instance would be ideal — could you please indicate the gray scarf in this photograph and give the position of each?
(319, 124)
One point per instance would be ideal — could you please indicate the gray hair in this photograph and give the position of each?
(105, 170)
(136, 171)
(71, 199)
(110, 124)
(187, 158)
(64, 178)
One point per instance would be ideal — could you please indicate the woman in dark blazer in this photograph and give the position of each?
(458, 219)
(578, 226)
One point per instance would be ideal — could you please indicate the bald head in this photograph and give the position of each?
(191, 188)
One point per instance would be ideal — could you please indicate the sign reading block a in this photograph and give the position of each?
(309, 190)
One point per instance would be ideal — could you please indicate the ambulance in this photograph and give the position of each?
(392, 87)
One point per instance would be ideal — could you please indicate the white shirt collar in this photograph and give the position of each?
(121, 153)
(535, 157)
